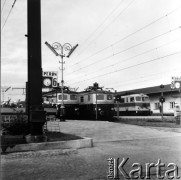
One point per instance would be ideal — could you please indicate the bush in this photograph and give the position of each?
(18, 127)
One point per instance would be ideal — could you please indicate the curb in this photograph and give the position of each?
(71, 144)
(39, 154)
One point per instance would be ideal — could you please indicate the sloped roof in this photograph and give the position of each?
(149, 90)
(53, 92)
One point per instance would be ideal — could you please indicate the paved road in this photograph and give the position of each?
(110, 131)
(140, 144)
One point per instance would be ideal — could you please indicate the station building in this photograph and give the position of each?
(172, 97)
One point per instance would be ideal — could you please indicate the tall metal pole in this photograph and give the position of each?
(62, 87)
(35, 110)
(54, 48)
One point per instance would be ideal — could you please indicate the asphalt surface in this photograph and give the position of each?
(111, 140)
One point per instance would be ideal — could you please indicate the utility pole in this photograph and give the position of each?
(34, 92)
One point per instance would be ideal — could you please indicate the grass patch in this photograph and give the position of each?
(154, 122)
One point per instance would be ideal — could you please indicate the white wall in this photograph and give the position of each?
(169, 97)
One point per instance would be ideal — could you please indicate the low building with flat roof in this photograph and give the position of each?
(172, 97)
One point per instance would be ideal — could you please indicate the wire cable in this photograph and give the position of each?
(8, 15)
(129, 35)
(127, 59)
(100, 25)
(119, 52)
(141, 77)
(152, 60)
(98, 35)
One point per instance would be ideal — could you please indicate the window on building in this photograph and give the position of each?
(100, 96)
(82, 99)
(64, 97)
(73, 97)
(157, 105)
(172, 105)
(109, 97)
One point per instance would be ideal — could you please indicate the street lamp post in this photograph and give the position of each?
(58, 47)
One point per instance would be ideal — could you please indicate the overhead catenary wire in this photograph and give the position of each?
(125, 68)
(98, 35)
(131, 34)
(100, 25)
(127, 59)
(8, 15)
(130, 81)
(119, 52)
(141, 77)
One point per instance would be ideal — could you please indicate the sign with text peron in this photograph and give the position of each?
(50, 79)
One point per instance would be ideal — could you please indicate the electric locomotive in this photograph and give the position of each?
(96, 103)
(54, 100)
(134, 104)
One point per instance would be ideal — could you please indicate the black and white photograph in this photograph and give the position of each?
(90, 89)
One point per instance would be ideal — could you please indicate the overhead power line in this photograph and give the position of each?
(100, 25)
(130, 81)
(8, 15)
(98, 35)
(129, 35)
(145, 62)
(124, 50)
(141, 77)
(127, 59)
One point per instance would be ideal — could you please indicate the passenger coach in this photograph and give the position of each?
(134, 104)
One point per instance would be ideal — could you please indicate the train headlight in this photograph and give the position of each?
(101, 113)
(99, 109)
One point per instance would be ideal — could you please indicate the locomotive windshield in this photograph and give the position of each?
(100, 96)
(73, 97)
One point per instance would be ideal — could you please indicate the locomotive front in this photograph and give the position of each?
(96, 104)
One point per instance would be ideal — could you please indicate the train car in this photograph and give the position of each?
(134, 104)
(70, 100)
(96, 103)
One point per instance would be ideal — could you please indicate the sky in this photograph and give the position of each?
(123, 44)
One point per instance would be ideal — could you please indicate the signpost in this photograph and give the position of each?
(175, 83)
(49, 79)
